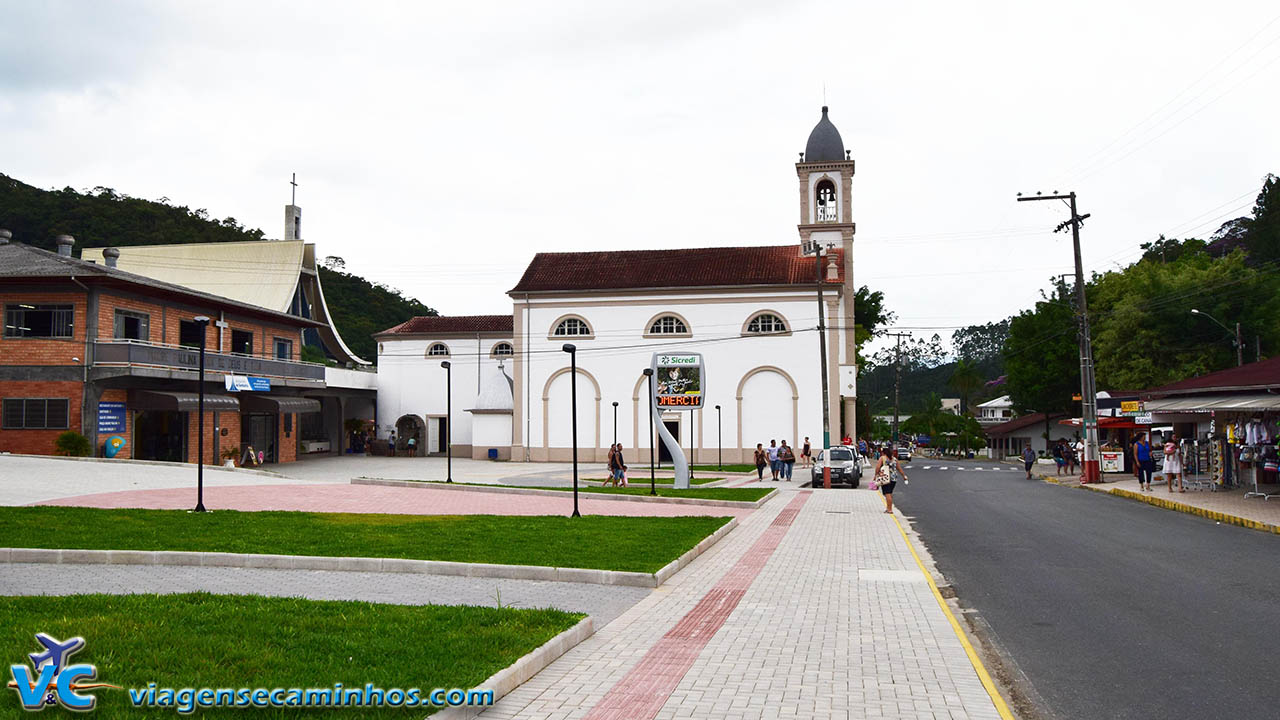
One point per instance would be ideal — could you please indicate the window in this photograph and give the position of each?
(242, 342)
(668, 325)
(132, 325)
(828, 209)
(437, 349)
(284, 349)
(502, 349)
(765, 323)
(41, 321)
(35, 414)
(572, 326)
(189, 333)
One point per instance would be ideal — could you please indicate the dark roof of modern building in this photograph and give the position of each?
(1253, 376)
(19, 261)
(825, 144)
(441, 324)
(682, 268)
(1022, 422)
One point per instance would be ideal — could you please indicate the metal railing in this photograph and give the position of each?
(146, 354)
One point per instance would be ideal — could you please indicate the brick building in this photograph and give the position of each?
(92, 348)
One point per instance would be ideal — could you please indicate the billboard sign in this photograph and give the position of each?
(679, 381)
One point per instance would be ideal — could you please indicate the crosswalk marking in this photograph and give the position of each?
(963, 468)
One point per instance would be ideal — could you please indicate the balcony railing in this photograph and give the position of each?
(145, 354)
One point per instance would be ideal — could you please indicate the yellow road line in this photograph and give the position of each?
(1001, 706)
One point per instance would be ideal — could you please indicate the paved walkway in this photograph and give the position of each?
(813, 608)
(602, 602)
(379, 499)
(1230, 502)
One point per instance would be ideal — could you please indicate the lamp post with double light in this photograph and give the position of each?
(719, 442)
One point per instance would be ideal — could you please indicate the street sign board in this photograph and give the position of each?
(111, 417)
(679, 381)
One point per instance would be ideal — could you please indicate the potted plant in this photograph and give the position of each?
(229, 457)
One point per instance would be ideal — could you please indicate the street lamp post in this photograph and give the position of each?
(615, 422)
(719, 442)
(573, 390)
(202, 321)
(1238, 342)
(448, 418)
(653, 445)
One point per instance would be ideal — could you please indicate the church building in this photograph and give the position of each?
(753, 313)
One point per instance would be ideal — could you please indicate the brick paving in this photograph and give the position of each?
(602, 602)
(331, 497)
(838, 622)
(1230, 502)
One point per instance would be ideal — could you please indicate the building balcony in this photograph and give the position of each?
(140, 354)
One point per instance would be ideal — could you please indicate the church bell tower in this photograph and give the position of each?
(825, 171)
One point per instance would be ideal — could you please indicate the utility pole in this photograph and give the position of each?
(1088, 388)
(897, 381)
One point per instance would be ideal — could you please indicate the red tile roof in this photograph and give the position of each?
(1261, 374)
(684, 268)
(452, 324)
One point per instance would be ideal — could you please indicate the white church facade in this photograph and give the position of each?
(751, 311)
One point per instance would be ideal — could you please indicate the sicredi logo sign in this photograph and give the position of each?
(55, 681)
(677, 359)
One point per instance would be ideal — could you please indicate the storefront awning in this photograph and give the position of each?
(1257, 401)
(180, 401)
(255, 402)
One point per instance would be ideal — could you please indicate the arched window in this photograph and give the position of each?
(437, 349)
(502, 349)
(572, 327)
(668, 325)
(766, 323)
(827, 207)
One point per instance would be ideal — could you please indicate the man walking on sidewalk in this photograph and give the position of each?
(1028, 458)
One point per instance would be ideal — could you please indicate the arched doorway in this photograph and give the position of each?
(410, 426)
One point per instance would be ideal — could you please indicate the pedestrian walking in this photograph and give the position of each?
(413, 446)
(621, 477)
(788, 460)
(886, 467)
(806, 454)
(1028, 459)
(1143, 461)
(1075, 456)
(1173, 462)
(613, 466)
(391, 444)
(1060, 456)
(762, 459)
(773, 459)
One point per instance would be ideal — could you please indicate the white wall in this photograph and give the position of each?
(618, 354)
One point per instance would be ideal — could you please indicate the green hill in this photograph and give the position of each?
(107, 217)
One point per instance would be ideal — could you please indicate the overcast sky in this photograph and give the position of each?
(439, 145)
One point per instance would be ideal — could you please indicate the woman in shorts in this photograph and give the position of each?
(885, 469)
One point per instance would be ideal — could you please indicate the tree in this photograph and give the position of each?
(1262, 231)
(1041, 358)
(965, 380)
(333, 262)
(980, 342)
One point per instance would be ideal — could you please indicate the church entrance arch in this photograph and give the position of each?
(410, 426)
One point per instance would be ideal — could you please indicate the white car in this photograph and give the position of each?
(846, 467)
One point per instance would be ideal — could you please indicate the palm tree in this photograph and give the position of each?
(965, 380)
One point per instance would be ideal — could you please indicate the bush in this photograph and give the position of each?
(72, 444)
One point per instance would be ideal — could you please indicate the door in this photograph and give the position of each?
(434, 442)
(160, 435)
(258, 430)
(673, 427)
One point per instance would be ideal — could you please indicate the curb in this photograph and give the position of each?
(516, 674)
(1189, 509)
(160, 463)
(56, 556)
(748, 504)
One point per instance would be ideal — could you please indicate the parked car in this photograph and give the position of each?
(904, 453)
(846, 466)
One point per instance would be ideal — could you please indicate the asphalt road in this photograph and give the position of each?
(1111, 608)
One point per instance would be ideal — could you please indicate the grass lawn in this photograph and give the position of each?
(636, 544)
(661, 480)
(231, 641)
(735, 468)
(638, 487)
